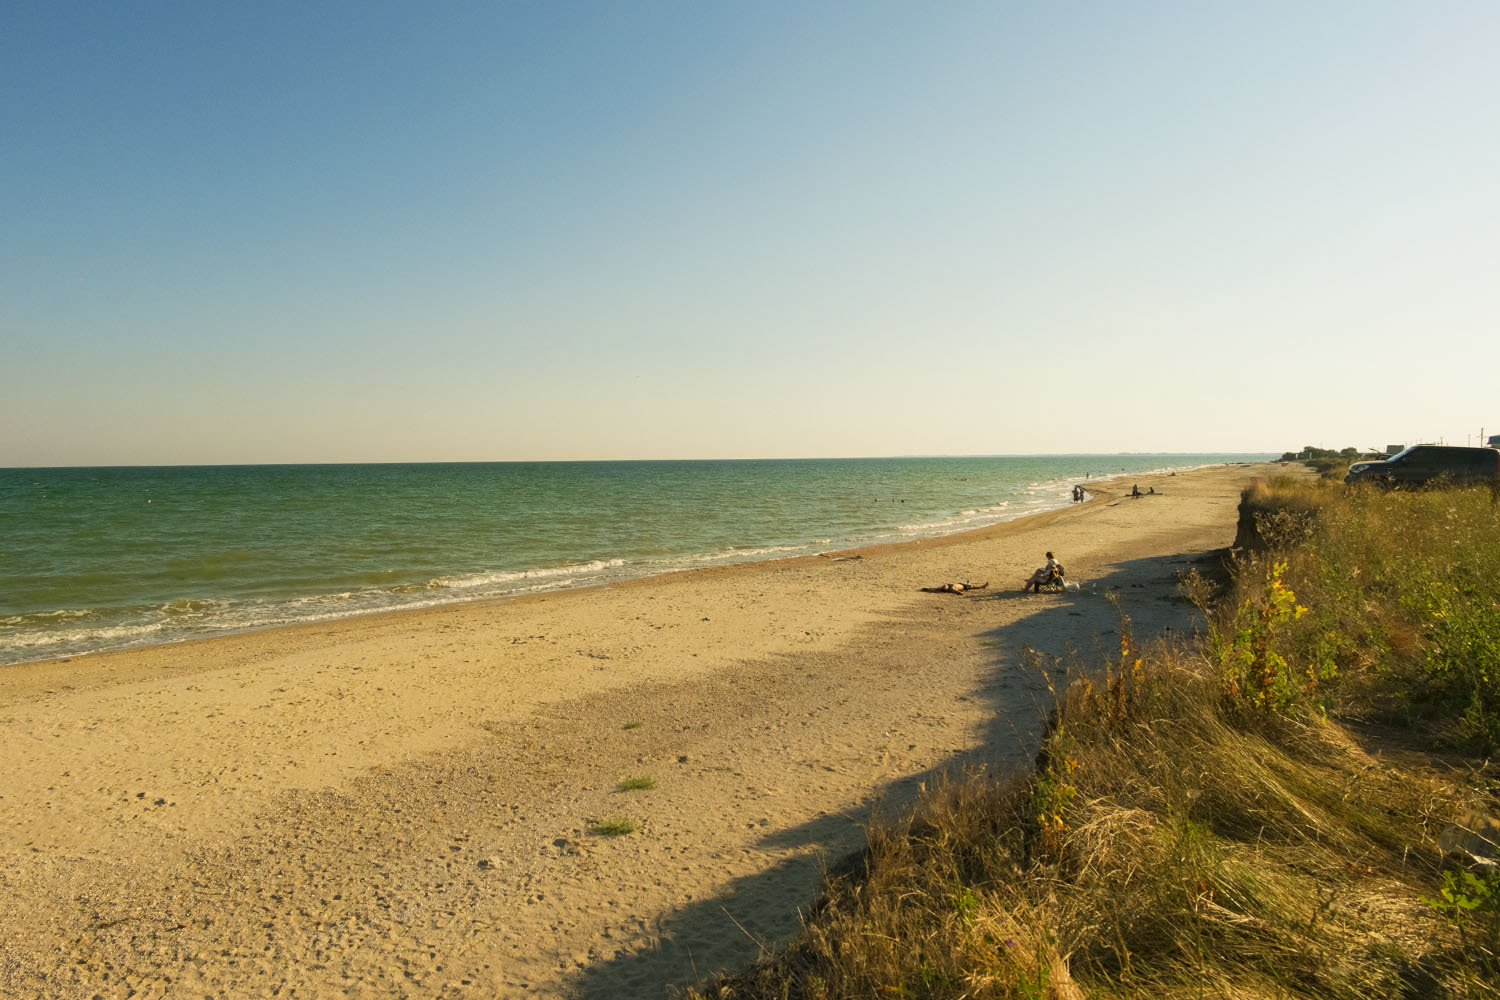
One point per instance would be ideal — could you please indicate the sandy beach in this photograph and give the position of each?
(408, 804)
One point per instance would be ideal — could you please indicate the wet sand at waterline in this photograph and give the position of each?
(411, 804)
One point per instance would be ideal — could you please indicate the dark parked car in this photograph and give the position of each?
(1423, 463)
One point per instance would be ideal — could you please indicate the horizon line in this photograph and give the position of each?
(623, 461)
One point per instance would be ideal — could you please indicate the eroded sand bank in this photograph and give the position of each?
(402, 805)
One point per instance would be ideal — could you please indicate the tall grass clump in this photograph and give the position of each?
(1199, 822)
(1402, 599)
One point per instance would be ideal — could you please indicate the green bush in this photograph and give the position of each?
(1402, 592)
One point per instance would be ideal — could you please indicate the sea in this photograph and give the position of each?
(95, 559)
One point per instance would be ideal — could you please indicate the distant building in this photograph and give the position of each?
(1494, 441)
(1391, 449)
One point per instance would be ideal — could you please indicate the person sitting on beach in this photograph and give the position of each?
(1045, 575)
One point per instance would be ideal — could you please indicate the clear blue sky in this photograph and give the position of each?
(527, 230)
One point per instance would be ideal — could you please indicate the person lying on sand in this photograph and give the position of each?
(955, 588)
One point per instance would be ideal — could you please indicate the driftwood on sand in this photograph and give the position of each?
(955, 588)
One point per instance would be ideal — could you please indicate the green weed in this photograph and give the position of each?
(617, 826)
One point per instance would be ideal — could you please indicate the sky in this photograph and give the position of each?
(543, 229)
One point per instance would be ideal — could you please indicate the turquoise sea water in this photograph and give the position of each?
(102, 558)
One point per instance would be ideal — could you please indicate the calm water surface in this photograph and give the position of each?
(102, 558)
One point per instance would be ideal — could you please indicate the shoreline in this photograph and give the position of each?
(409, 801)
(726, 563)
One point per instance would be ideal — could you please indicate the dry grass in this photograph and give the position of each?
(1178, 837)
(1189, 855)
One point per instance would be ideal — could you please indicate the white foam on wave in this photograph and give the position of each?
(473, 580)
(312, 600)
(963, 520)
(93, 636)
(732, 554)
(193, 606)
(16, 621)
(61, 633)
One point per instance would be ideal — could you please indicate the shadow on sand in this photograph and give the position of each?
(1068, 631)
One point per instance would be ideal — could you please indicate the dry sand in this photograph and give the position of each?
(407, 804)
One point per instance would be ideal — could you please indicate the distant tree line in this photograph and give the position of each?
(1308, 453)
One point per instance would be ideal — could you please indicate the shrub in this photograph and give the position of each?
(1198, 823)
(1404, 594)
